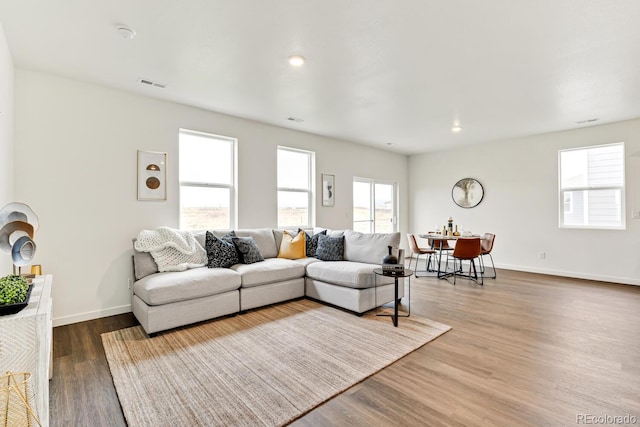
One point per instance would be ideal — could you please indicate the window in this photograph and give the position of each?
(295, 187)
(207, 181)
(592, 187)
(374, 206)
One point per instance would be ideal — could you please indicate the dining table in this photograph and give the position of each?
(433, 237)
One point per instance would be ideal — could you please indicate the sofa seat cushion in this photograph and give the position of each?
(269, 271)
(356, 275)
(165, 288)
(307, 261)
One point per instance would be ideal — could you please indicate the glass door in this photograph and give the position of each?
(374, 206)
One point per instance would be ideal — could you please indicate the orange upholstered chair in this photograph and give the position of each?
(467, 249)
(487, 246)
(415, 249)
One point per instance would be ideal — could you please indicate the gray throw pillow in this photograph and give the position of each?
(248, 250)
(143, 263)
(221, 252)
(330, 248)
(312, 242)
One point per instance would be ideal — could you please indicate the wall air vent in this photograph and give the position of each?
(295, 119)
(582, 122)
(152, 83)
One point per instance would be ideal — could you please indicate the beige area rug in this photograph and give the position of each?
(265, 367)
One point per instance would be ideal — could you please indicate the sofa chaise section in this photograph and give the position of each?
(349, 285)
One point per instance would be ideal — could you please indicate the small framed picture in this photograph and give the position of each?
(328, 190)
(152, 175)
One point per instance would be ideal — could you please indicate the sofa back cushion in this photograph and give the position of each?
(368, 247)
(330, 232)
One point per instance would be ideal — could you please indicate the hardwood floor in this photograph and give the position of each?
(525, 350)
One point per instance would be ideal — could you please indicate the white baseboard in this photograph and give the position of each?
(622, 280)
(82, 317)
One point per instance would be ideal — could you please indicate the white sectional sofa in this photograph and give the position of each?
(166, 300)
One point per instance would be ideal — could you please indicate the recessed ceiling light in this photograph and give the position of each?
(125, 32)
(389, 143)
(296, 60)
(295, 119)
(456, 129)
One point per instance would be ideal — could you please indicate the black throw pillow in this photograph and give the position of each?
(248, 250)
(312, 242)
(221, 252)
(330, 248)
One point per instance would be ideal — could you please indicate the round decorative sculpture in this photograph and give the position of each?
(18, 224)
(22, 251)
(16, 211)
(467, 193)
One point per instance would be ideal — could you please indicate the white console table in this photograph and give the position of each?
(26, 344)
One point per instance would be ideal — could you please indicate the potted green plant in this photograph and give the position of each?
(14, 294)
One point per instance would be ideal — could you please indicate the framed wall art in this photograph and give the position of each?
(328, 190)
(467, 193)
(152, 175)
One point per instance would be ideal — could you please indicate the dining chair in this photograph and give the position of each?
(415, 249)
(487, 246)
(441, 246)
(467, 249)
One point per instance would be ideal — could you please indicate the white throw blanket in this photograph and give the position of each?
(173, 250)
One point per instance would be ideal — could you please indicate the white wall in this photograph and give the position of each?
(520, 178)
(6, 136)
(75, 162)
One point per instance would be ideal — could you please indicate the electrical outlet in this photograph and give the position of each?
(129, 283)
(542, 255)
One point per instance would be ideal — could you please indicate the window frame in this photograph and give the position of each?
(234, 175)
(586, 188)
(311, 215)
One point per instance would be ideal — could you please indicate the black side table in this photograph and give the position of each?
(406, 273)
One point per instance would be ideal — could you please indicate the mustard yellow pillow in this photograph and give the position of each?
(293, 247)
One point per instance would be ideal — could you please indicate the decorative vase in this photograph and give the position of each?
(390, 259)
(456, 233)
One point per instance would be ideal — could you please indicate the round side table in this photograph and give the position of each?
(406, 273)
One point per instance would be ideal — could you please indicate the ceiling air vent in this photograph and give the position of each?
(582, 122)
(152, 83)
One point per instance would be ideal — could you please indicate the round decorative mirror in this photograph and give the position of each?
(467, 193)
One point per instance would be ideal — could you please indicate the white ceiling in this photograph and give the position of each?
(378, 72)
